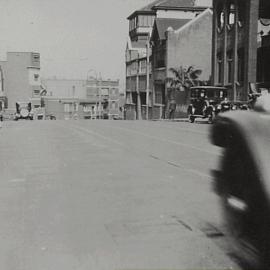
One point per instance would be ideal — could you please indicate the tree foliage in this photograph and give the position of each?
(184, 78)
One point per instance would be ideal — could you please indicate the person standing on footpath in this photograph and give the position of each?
(1, 119)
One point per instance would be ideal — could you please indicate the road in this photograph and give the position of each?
(109, 195)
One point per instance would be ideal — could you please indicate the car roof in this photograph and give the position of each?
(208, 87)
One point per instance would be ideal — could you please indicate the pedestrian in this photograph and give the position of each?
(1, 119)
(172, 108)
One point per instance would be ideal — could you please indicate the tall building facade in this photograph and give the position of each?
(139, 73)
(241, 45)
(21, 78)
(179, 43)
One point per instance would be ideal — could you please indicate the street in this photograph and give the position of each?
(109, 195)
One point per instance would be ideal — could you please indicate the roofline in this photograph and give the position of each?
(175, 19)
(23, 52)
(209, 87)
(155, 8)
(34, 67)
(143, 12)
(198, 8)
(193, 20)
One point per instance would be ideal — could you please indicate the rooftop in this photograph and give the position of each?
(162, 24)
(166, 5)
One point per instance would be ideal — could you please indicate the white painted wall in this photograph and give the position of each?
(176, 14)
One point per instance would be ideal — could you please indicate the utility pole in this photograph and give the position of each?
(97, 97)
(139, 108)
(147, 76)
(2, 79)
(2, 85)
(99, 92)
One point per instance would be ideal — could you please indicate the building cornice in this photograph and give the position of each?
(141, 12)
(34, 67)
(165, 8)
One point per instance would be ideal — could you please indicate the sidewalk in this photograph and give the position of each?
(172, 120)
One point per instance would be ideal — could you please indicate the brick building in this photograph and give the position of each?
(241, 45)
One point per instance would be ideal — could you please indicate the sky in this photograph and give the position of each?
(74, 37)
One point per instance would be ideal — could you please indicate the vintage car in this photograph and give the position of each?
(206, 102)
(23, 111)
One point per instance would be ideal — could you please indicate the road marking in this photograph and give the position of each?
(184, 129)
(17, 180)
(152, 156)
(166, 140)
(99, 135)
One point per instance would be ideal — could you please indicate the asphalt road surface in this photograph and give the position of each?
(117, 195)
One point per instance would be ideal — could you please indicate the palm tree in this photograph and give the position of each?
(184, 78)
(181, 81)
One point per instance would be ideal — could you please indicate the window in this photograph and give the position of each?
(133, 68)
(231, 14)
(128, 98)
(114, 91)
(229, 66)
(113, 105)
(159, 93)
(36, 76)
(132, 24)
(160, 58)
(87, 108)
(220, 17)
(240, 65)
(143, 98)
(104, 91)
(143, 66)
(241, 12)
(67, 107)
(219, 67)
(145, 21)
(36, 57)
(36, 92)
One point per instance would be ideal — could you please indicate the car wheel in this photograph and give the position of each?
(191, 119)
(210, 119)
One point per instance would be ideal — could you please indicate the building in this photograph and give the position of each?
(139, 80)
(64, 87)
(107, 96)
(179, 43)
(241, 46)
(21, 78)
(82, 99)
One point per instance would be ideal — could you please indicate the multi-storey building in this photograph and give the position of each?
(92, 98)
(139, 80)
(106, 94)
(21, 78)
(179, 43)
(241, 45)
